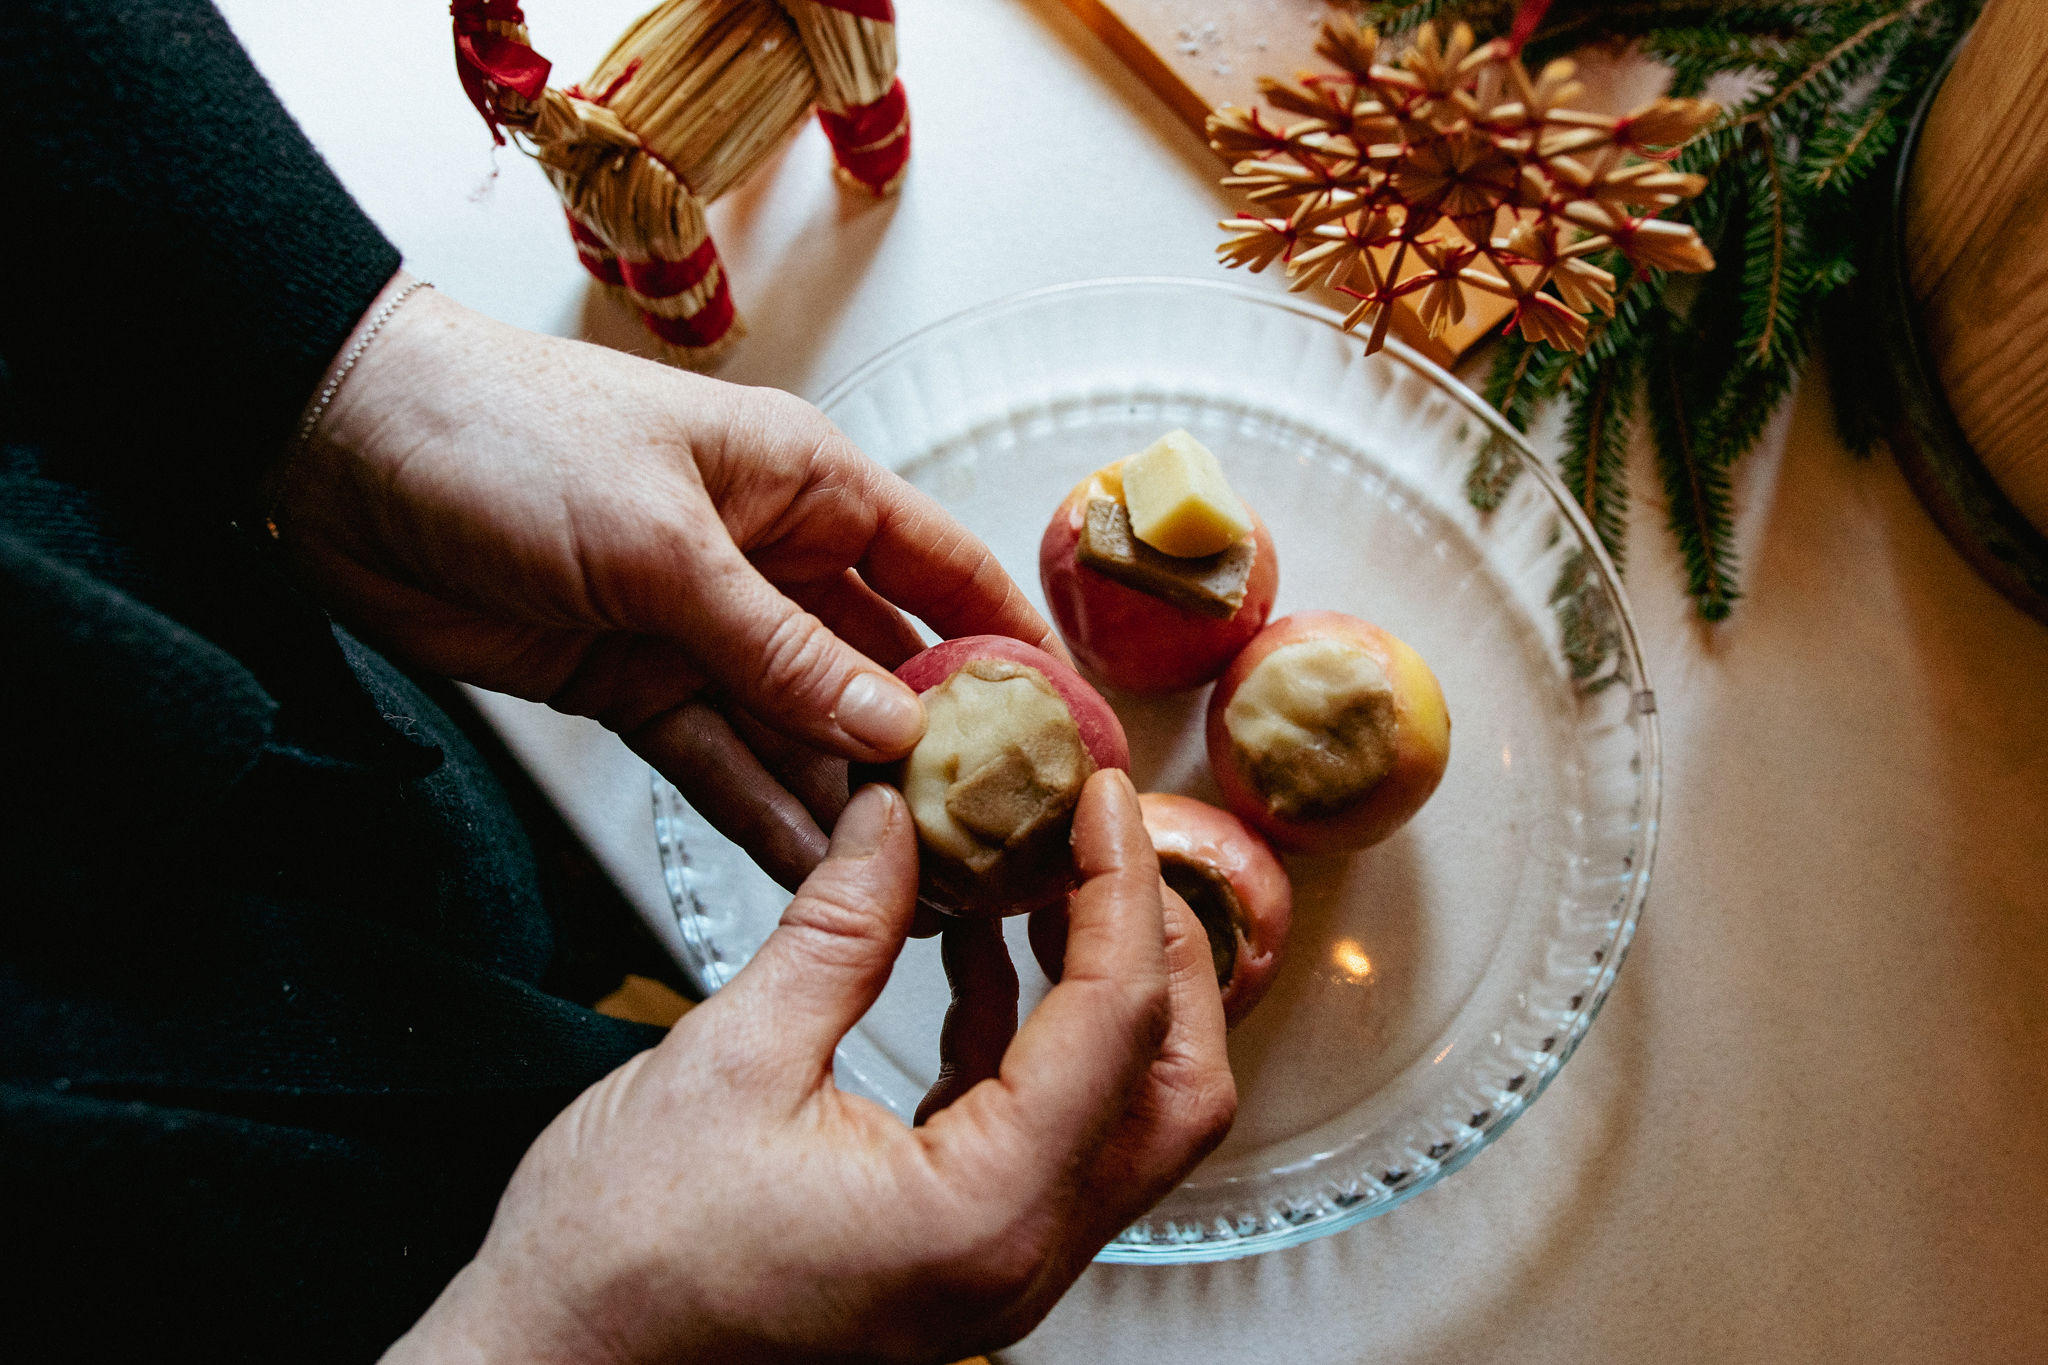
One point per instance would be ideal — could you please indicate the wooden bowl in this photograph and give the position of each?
(1957, 286)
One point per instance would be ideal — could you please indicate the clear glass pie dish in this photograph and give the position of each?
(1433, 985)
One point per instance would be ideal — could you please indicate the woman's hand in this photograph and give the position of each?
(712, 571)
(719, 1198)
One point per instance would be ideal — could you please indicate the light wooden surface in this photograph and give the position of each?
(1812, 1123)
(1977, 246)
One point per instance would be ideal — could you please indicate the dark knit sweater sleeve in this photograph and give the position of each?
(179, 264)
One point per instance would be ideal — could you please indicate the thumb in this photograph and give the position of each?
(788, 668)
(832, 953)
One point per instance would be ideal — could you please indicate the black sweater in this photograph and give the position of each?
(280, 998)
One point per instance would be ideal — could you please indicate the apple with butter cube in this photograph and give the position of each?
(1155, 571)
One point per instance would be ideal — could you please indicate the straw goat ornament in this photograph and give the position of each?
(685, 106)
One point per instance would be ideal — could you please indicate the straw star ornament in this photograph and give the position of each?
(1449, 170)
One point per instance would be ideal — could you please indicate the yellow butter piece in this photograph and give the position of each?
(1179, 501)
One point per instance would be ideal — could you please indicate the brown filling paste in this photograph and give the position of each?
(1020, 791)
(1209, 585)
(1215, 903)
(1314, 727)
(999, 769)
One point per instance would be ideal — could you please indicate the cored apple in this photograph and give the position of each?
(1235, 886)
(1327, 732)
(1229, 878)
(1135, 639)
(1011, 736)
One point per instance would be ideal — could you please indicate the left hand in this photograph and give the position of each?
(714, 572)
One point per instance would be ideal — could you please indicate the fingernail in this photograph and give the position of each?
(878, 710)
(862, 824)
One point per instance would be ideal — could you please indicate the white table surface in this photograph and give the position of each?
(1812, 1123)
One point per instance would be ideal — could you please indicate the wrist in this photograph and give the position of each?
(344, 372)
(515, 1305)
(479, 1319)
(447, 1333)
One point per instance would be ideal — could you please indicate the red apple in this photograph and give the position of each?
(1011, 735)
(1130, 638)
(1235, 886)
(1327, 732)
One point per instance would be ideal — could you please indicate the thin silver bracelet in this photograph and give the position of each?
(333, 385)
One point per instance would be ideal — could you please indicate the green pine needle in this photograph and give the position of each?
(1771, 283)
(1695, 483)
(1595, 462)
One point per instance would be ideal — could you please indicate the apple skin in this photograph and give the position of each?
(1421, 752)
(1188, 831)
(1132, 640)
(951, 889)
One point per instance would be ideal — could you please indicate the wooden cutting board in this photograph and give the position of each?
(1199, 55)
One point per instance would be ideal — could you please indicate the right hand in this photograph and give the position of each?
(719, 1198)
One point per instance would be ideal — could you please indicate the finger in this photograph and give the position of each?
(783, 664)
(1192, 991)
(1191, 1097)
(829, 958)
(693, 747)
(983, 1016)
(1184, 1106)
(624, 681)
(860, 616)
(1073, 1065)
(816, 779)
(927, 563)
(1048, 933)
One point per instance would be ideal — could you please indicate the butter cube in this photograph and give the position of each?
(1179, 502)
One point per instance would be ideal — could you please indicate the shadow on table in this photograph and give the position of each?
(789, 298)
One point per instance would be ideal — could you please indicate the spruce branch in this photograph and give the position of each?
(1523, 377)
(1595, 461)
(1636, 305)
(1769, 291)
(1695, 484)
(1495, 467)
(1512, 393)
(1841, 152)
(1821, 83)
